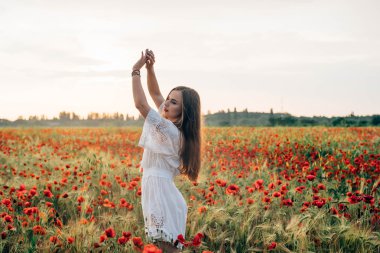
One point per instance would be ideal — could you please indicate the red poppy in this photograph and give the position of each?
(232, 189)
(321, 186)
(150, 248)
(250, 201)
(53, 239)
(287, 202)
(266, 200)
(110, 232)
(32, 192)
(137, 242)
(80, 199)
(300, 189)
(272, 245)
(8, 218)
(220, 182)
(354, 199)
(89, 210)
(122, 240)
(38, 230)
(48, 193)
(197, 239)
(334, 211)
(6, 202)
(102, 238)
(202, 209)
(127, 234)
(250, 189)
(368, 198)
(182, 240)
(319, 203)
(259, 182)
(58, 223)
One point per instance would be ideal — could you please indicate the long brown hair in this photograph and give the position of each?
(190, 127)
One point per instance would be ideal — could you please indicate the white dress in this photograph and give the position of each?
(164, 208)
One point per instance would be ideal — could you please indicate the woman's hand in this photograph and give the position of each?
(150, 60)
(140, 63)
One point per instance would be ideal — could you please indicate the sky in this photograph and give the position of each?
(304, 57)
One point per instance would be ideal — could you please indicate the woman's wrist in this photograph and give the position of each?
(135, 72)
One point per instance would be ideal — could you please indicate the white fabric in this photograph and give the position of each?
(164, 208)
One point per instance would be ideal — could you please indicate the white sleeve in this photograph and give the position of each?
(159, 134)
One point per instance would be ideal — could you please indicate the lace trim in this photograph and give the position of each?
(157, 232)
(159, 127)
(159, 235)
(158, 221)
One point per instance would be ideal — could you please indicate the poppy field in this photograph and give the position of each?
(260, 190)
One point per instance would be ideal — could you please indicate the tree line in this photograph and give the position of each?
(220, 118)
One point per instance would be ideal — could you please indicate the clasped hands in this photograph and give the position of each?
(146, 59)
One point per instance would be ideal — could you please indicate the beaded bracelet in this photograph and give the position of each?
(136, 72)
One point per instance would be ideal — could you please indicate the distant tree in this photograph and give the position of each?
(308, 121)
(93, 116)
(104, 116)
(117, 116)
(340, 121)
(376, 120)
(363, 123)
(234, 117)
(271, 119)
(224, 123)
(245, 113)
(74, 116)
(289, 121)
(64, 116)
(350, 122)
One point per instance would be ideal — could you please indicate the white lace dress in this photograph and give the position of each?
(164, 208)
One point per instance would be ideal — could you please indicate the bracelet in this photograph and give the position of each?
(136, 72)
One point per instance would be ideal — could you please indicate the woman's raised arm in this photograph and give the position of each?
(138, 93)
(154, 89)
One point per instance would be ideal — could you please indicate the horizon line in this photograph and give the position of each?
(203, 114)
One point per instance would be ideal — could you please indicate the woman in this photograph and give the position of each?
(171, 139)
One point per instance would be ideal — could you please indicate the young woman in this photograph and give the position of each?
(171, 139)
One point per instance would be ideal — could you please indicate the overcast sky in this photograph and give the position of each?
(301, 57)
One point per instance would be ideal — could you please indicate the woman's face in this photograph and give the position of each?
(173, 106)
